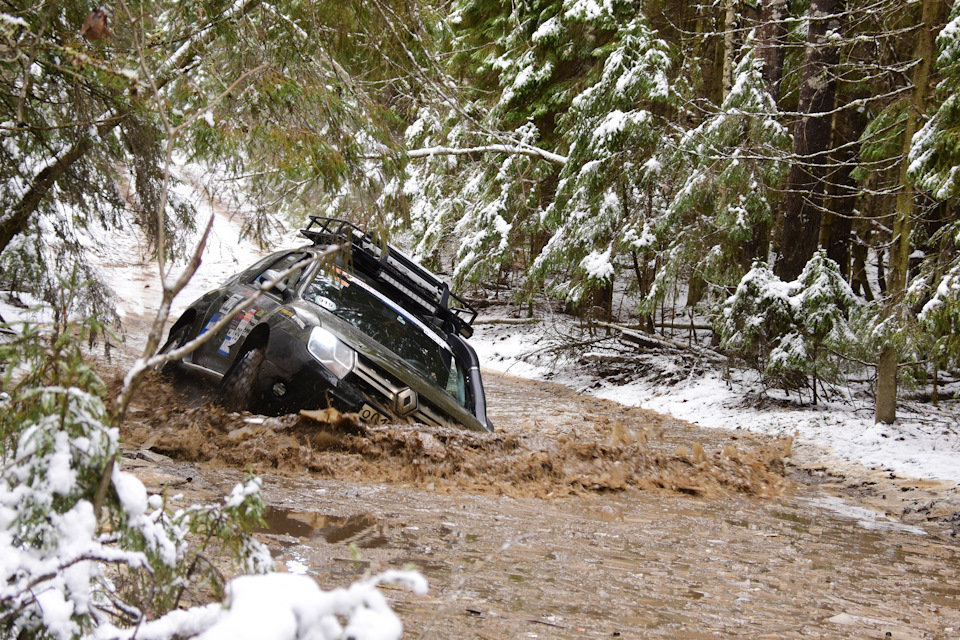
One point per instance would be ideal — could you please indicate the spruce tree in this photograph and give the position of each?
(729, 171)
(605, 196)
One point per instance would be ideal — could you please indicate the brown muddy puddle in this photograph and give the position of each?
(628, 564)
(568, 445)
(579, 518)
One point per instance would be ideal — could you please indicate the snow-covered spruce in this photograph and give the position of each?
(796, 332)
(86, 553)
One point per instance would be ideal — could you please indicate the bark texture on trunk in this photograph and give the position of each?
(770, 51)
(770, 43)
(729, 18)
(800, 228)
(843, 190)
(886, 400)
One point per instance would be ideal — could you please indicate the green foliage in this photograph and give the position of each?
(795, 333)
(615, 130)
(71, 118)
(82, 543)
(186, 547)
(729, 169)
(288, 95)
(882, 138)
(491, 234)
(52, 397)
(940, 317)
(935, 149)
(935, 296)
(554, 73)
(757, 316)
(539, 52)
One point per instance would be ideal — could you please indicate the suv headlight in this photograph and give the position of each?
(333, 354)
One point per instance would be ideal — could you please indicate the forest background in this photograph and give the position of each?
(785, 172)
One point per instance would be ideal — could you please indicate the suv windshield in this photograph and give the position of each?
(352, 299)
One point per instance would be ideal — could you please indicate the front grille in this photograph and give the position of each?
(378, 383)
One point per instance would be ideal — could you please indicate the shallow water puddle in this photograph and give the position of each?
(629, 564)
(332, 529)
(866, 518)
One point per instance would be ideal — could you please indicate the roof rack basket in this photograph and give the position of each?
(388, 264)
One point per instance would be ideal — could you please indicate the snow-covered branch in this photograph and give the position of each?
(533, 152)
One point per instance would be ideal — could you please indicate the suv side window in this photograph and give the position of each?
(281, 265)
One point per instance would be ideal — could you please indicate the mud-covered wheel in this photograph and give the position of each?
(175, 341)
(238, 386)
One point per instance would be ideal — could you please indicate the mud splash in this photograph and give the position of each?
(517, 461)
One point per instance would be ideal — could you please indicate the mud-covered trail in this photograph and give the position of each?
(579, 518)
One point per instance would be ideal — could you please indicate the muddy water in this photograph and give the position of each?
(687, 545)
(630, 564)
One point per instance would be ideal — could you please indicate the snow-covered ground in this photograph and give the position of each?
(923, 443)
(131, 272)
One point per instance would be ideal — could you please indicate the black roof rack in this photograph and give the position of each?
(389, 265)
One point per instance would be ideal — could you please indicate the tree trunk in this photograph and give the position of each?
(800, 231)
(644, 282)
(713, 78)
(729, 17)
(843, 190)
(886, 403)
(770, 52)
(770, 43)
(858, 278)
(886, 400)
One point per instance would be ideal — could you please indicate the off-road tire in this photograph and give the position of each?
(238, 386)
(175, 341)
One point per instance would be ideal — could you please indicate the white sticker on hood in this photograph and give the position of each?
(326, 303)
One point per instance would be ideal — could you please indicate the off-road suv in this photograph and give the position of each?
(369, 331)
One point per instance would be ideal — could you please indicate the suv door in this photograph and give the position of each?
(220, 352)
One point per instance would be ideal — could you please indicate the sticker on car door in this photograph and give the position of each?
(239, 327)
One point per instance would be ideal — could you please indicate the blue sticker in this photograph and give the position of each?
(214, 319)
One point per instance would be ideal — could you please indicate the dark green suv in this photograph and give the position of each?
(350, 323)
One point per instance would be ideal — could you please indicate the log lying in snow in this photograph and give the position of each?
(506, 321)
(646, 341)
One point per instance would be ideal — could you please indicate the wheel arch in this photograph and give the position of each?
(259, 336)
(239, 386)
(186, 320)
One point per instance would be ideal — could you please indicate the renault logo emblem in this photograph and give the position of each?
(406, 402)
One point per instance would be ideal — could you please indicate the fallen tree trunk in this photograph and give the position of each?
(506, 321)
(641, 340)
